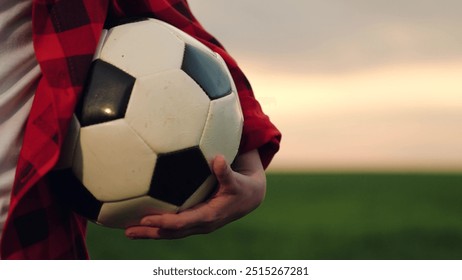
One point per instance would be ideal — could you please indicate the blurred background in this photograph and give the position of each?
(354, 84)
(368, 96)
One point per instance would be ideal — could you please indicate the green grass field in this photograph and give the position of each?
(323, 216)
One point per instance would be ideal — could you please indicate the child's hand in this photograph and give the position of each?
(239, 192)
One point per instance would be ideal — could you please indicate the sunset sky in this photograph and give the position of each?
(352, 85)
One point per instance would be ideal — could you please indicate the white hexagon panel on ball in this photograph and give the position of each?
(223, 129)
(113, 162)
(156, 51)
(168, 110)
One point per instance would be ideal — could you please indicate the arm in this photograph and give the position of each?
(240, 190)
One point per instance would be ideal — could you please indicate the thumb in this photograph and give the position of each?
(222, 170)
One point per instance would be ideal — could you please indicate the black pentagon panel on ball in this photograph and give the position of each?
(178, 175)
(106, 94)
(206, 71)
(73, 194)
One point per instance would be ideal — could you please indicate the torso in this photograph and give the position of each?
(19, 74)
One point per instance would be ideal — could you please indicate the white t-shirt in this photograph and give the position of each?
(19, 74)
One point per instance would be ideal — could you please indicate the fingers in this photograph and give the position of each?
(183, 220)
(198, 220)
(172, 226)
(141, 232)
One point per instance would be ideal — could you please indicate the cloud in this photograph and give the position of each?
(335, 36)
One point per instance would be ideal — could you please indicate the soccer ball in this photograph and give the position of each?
(158, 106)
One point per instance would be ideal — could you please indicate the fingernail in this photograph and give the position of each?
(131, 235)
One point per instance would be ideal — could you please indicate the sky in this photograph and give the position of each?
(352, 85)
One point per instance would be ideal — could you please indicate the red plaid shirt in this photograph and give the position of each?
(65, 35)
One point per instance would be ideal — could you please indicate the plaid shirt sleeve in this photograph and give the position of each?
(66, 33)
